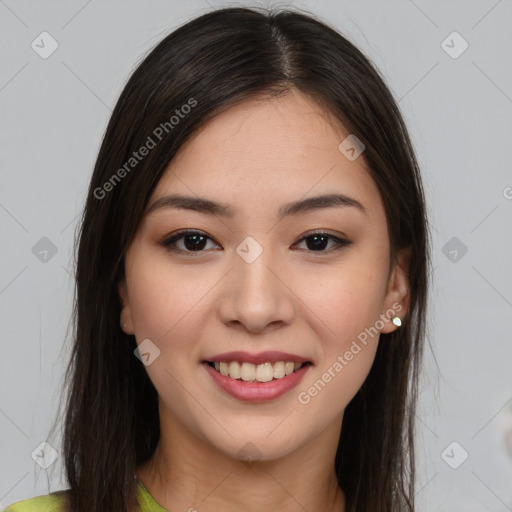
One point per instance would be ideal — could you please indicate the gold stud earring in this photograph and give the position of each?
(397, 321)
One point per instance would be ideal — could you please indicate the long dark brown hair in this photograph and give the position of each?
(211, 63)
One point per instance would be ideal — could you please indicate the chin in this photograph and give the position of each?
(257, 447)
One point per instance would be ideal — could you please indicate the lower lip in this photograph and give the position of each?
(257, 391)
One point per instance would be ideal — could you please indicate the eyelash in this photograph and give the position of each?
(168, 243)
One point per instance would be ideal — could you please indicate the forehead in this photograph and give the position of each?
(267, 151)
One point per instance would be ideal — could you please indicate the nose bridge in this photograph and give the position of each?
(253, 262)
(256, 295)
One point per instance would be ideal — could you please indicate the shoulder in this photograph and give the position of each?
(53, 502)
(56, 501)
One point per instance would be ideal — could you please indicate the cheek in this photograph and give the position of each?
(166, 309)
(345, 326)
(334, 385)
(150, 303)
(166, 304)
(347, 299)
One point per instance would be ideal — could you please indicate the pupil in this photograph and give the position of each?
(195, 245)
(317, 246)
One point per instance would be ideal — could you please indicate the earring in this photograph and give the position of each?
(397, 321)
(123, 325)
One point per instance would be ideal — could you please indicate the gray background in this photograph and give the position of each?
(54, 112)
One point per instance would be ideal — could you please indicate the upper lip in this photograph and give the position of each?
(270, 356)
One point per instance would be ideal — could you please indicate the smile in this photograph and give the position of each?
(249, 372)
(254, 390)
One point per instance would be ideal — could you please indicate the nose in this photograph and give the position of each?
(255, 295)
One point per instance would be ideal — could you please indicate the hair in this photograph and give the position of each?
(215, 61)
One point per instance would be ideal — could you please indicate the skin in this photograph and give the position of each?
(192, 305)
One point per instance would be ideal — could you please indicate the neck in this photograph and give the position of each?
(185, 473)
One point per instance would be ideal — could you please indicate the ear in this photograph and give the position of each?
(126, 320)
(397, 299)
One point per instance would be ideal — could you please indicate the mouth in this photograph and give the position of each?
(264, 372)
(260, 381)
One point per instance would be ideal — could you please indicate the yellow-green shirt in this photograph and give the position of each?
(53, 502)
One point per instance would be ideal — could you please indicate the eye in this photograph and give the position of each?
(195, 241)
(316, 242)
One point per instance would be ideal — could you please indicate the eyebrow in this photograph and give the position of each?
(211, 207)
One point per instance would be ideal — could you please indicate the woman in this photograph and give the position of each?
(251, 282)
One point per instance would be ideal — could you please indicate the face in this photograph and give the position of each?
(312, 282)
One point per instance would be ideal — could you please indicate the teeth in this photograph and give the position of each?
(279, 371)
(262, 372)
(248, 371)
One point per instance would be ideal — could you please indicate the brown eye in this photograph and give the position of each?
(196, 242)
(193, 241)
(318, 241)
